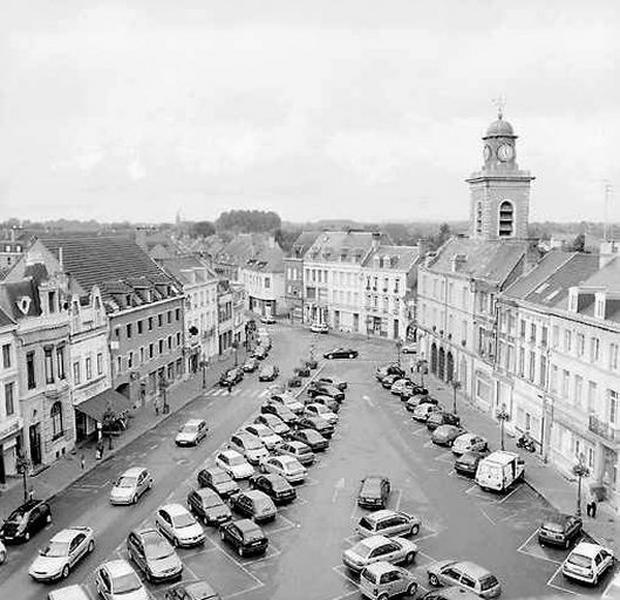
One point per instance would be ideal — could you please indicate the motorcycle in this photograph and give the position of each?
(527, 443)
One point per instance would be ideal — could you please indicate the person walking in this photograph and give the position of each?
(99, 450)
(591, 504)
(82, 461)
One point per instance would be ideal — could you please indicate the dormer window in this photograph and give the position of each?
(52, 301)
(128, 300)
(24, 304)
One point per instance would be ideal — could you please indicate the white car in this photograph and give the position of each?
(128, 488)
(116, 580)
(398, 387)
(286, 466)
(288, 400)
(249, 446)
(320, 410)
(2, 552)
(469, 442)
(62, 553)
(234, 464)
(69, 592)
(378, 547)
(276, 424)
(587, 563)
(409, 348)
(319, 328)
(264, 434)
(179, 525)
(192, 433)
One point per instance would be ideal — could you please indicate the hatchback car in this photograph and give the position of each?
(423, 411)
(382, 580)
(445, 435)
(234, 464)
(311, 438)
(218, 480)
(302, 371)
(208, 505)
(179, 526)
(334, 381)
(285, 466)
(192, 433)
(284, 413)
(245, 536)
(392, 369)
(466, 575)
(341, 352)
(116, 580)
(276, 424)
(250, 365)
(469, 442)
(388, 523)
(561, 530)
(249, 446)
(231, 377)
(370, 550)
(324, 389)
(467, 463)
(25, 521)
(287, 400)
(269, 439)
(268, 373)
(195, 590)
(130, 486)
(587, 563)
(254, 504)
(319, 328)
(320, 410)
(302, 452)
(326, 401)
(62, 553)
(325, 428)
(153, 555)
(374, 492)
(275, 486)
(442, 418)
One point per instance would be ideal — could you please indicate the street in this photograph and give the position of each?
(375, 435)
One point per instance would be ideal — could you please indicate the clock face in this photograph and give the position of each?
(505, 152)
(487, 152)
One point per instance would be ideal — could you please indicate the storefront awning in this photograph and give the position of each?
(96, 406)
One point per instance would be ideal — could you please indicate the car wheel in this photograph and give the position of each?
(222, 535)
(415, 529)
(433, 580)
(91, 546)
(65, 572)
(175, 542)
(330, 356)
(134, 499)
(410, 557)
(383, 596)
(412, 589)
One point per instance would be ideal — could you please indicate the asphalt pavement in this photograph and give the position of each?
(375, 435)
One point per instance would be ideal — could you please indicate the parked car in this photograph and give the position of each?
(194, 590)
(71, 592)
(445, 435)
(192, 433)
(310, 437)
(267, 319)
(302, 452)
(424, 410)
(467, 463)
(268, 438)
(231, 376)
(288, 400)
(268, 373)
(452, 592)
(587, 563)
(285, 466)
(179, 525)
(62, 553)
(116, 580)
(249, 446)
(412, 390)
(341, 353)
(469, 442)
(336, 382)
(466, 575)
(388, 523)
(326, 401)
(316, 409)
(370, 550)
(276, 424)
(218, 480)
(250, 365)
(208, 505)
(245, 536)
(409, 348)
(234, 464)
(562, 530)
(275, 486)
(2, 552)
(322, 389)
(294, 382)
(311, 363)
(391, 369)
(253, 504)
(25, 521)
(442, 418)
(374, 492)
(414, 401)
(389, 380)
(151, 552)
(302, 371)
(401, 385)
(281, 411)
(317, 423)
(319, 328)
(260, 352)
(382, 580)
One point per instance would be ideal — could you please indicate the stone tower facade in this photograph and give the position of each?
(500, 191)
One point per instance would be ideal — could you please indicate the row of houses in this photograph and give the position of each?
(91, 325)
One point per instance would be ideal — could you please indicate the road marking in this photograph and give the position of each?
(337, 488)
(487, 517)
(558, 587)
(369, 401)
(510, 494)
(521, 550)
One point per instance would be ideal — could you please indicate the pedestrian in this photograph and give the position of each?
(230, 387)
(156, 405)
(99, 450)
(31, 494)
(591, 504)
(82, 461)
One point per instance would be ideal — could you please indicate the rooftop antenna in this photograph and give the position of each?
(607, 187)
(499, 103)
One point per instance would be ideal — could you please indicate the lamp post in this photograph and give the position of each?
(22, 464)
(203, 365)
(163, 386)
(580, 469)
(422, 369)
(502, 416)
(456, 385)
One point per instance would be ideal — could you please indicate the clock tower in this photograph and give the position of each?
(500, 191)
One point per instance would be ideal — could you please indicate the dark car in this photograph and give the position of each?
(245, 536)
(336, 382)
(279, 410)
(412, 389)
(341, 353)
(442, 418)
(318, 424)
(444, 435)
(374, 492)
(414, 401)
(322, 389)
(275, 486)
(151, 552)
(218, 480)
(208, 506)
(330, 403)
(231, 377)
(389, 380)
(392, 369)
(561, 530)
(25, 521)
(467, 463)
(311, 438)
(302, 371)
(253, 504)
(194, 590)
(311, 363)
(250, 365)
(294, 382)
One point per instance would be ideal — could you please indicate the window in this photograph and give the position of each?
(140, 328)
(60, 362)
(142, 355)
(56, 418)
(542, 375)
(9, 398)
(150, 323)
(268, 281)
(532, 366)
(52, 302)
(117, 332)
(581, 344)
(594, 349)
(169, 342)
(160, 319)
(555, 338)
(178, 338)
(100, 364)
(49, 365)
(151, 350)
(128, 330)
(169, 315)
(177, 312)
(506, 218)
(568, 338)
(543, 336)
(578, 390)
(612, 402)
(6, 356)
(522, 330)
(553, 379)
(130, 360)
(521, 362)
(89, 368)
(532, 332)
(591, 396)
(77, 375)
(613, 357)
(565, 378)
(119, 364)
(161, 346)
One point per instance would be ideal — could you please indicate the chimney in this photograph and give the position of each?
(376, 240)
(422, 248)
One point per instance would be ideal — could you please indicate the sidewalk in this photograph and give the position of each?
(67, 470)
(555, 488)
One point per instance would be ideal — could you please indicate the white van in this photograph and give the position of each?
(500, 470)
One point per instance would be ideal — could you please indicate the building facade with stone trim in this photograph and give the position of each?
(11, 421)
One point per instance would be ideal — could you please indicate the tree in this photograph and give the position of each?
(248, 221)
(285, 238)
(580, 470)
(579, 242)
(441, 237)
(202, 229)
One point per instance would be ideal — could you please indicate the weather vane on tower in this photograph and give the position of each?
(499, 103)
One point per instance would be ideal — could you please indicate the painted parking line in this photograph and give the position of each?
(524, 549)
(559, 587)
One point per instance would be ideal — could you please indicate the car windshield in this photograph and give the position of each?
(16, 518)
(211, 500)
(55, 549)
(220, 478)
(553, 526)
(155, 547)
(192, 428)
(363, 549)
(126, 482)
(365, 523)
(183, 519)
(487, 582)
(580, 560)
(235, 461)
(126, 583)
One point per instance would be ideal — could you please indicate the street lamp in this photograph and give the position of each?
(22, 465)
(456, 385)
(580, 470)
(203, 365)
(422, 369)
(502, 416)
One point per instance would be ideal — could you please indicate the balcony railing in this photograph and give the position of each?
(602, 429)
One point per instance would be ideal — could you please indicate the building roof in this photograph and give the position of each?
(267, 260)
(20, 299)
(5, 319)
(343, 246)
(183, 268)
(304, 240)
(242, 247)
(401, 258)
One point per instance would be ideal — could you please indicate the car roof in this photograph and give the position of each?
(286, 459)
(194, 422)
(230, 453)
(472, 569)
(118, 567)
(174, 509)
(379, 514)
(255, 494)
(28, 506)
(246, 525)
(587, 549)
(69, 592)
(374, 541)
(206, 492)
(297, 444)
(214, 470)
(380, 567)
(66, 535)
(132, 472)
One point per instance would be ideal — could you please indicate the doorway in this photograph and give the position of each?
(34, 436)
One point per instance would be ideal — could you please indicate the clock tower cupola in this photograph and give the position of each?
(500, 191)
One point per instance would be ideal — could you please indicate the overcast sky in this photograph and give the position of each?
(360, 109)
